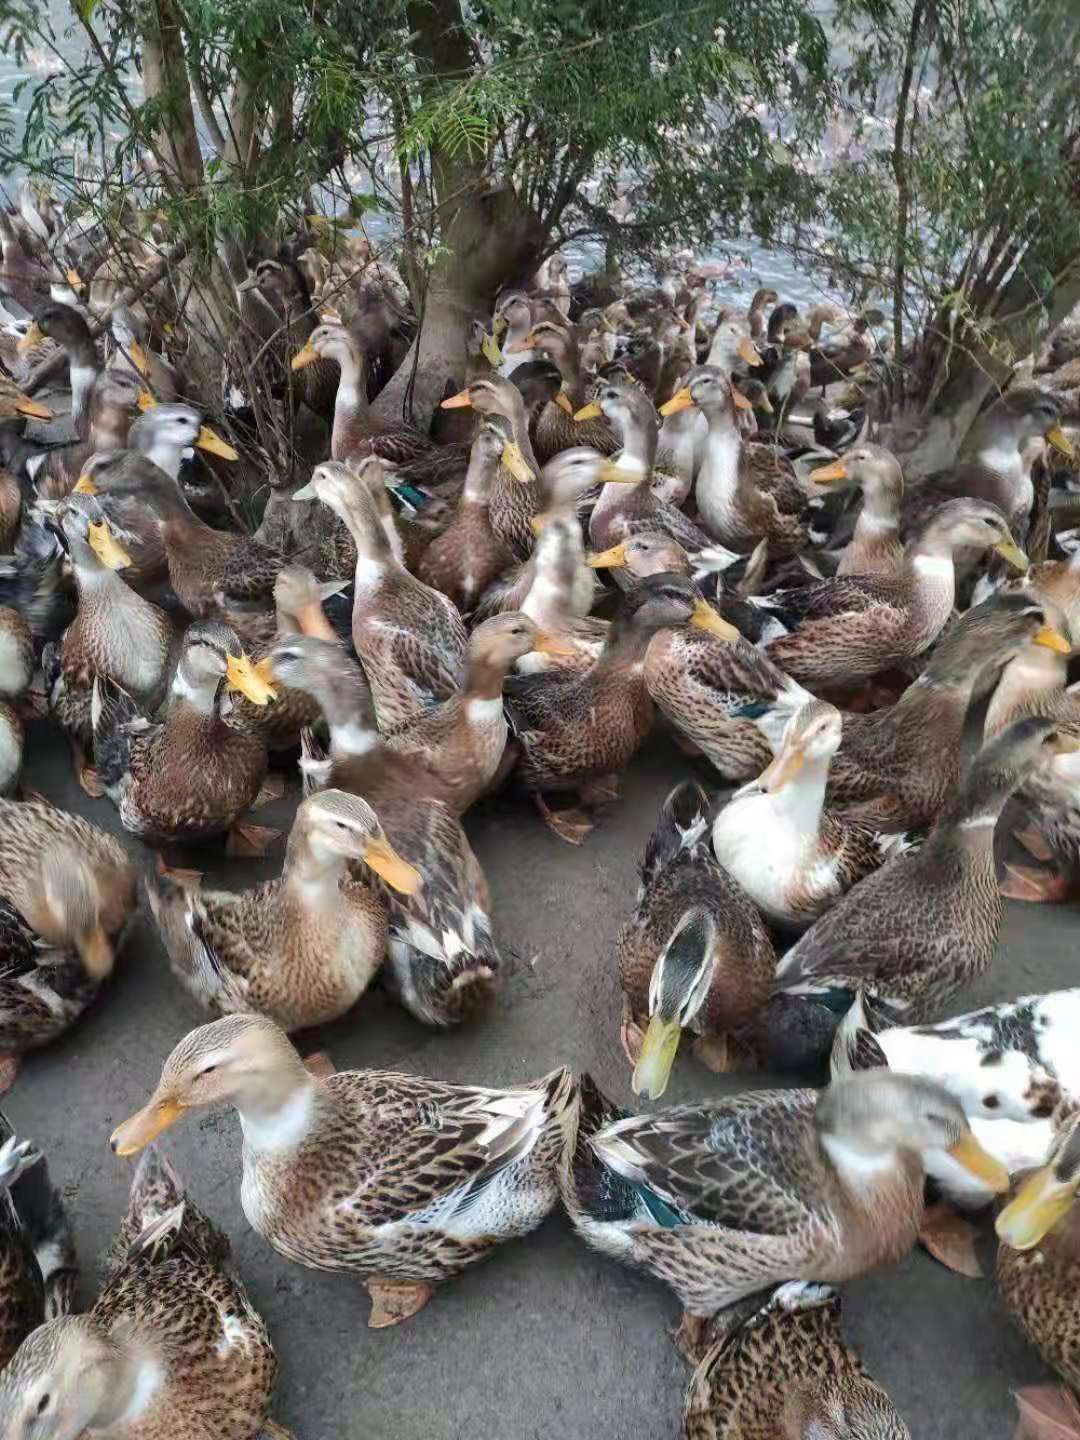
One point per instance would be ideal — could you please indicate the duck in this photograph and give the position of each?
(627, 503)
(556, 428)
(211, 571)
(744, 493)
(133, 358)
(915, 932)
(722, 695)
(54, 469)
(148, 1359)
(791, 855)
(410, 638)
(187, 776)
(723, 1199)
(552, 601)
(401, 1180)
(695, 956)
(463, 739)
(357, 430)
(875, 547)
(851, 628)
(468, 555)
(1010, 1061)
(37, 1252)
(443, 962)
(1038, 1258)
(578, 732)
(786, 1371)
(302, 948)
(15, 405)
(67, 890)
(115, 633)
(897, 768)
(515, 496)
(69, 329)
(995, 460)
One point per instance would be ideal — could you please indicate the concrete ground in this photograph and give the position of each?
(546, 1338)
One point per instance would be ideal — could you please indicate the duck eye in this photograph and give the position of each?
(208, 1069)
(43, 1403)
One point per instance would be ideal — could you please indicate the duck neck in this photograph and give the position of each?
(719, 474)
(279, 1109)
(485, 679)
(93, 580)
(519, 428)
(85, 369)
(198, 693)
(479, 478)
(351, 408)
(801, 803)
(1027, 682)
(127, 1378)
(640, 436)
(879, 517)
(568, 360)
(932, 575)
(350, 717)
(312, 870)
(165, 456)
(374, 553)
(549, 598)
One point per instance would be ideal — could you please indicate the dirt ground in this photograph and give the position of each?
(545, 1339)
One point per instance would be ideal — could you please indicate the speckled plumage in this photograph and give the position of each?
(170, 1290)
(38, 1269)
(784, 1368)
(722, 1200)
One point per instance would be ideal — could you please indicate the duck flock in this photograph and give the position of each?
(632, 513)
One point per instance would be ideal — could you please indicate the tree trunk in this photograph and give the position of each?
(165, 77)
(491, 239)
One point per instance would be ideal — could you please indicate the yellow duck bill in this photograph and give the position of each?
(979, 1162)
(491, 351)
(1010, 551)
(241, 675)
(782, 771)
(658, 1051)
(33, 409)
(829, 474)
(145, 1126)
(213, 444)
(106, 546)
(304, 357)
(1052, 639)
(591, 411)
(1056, 437)
(516, 463)
(706, 618)
(381, 857)
(613, 559)
(1042, 1202)
(681, 400)
(749, 351)
(460, 401)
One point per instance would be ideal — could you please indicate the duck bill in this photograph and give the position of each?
(460, 401)
(138, 357)
(145, 400)
(548, 645)
(1010, 551)
(491, 351)
(706, 618)
(749, 351)
(979, 1162)
(304, 357)
(519, 347)
(591, 411)
(499, 326)
(516, 463)
(106, 546)
(32, 408)
(625, 474)
(34, 336)
(1056, 437)
(381, 857)
(214, 445)
(613, 559)
(1052, 639)
(306, 492)
(741, 402)
(85, 486)
(241, 675)
(1041, 1203)
(146, 1125)
(834, 474)
(658, 1051)
(783, 770)
(681, 400)
(75, 280)
(563, 402)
